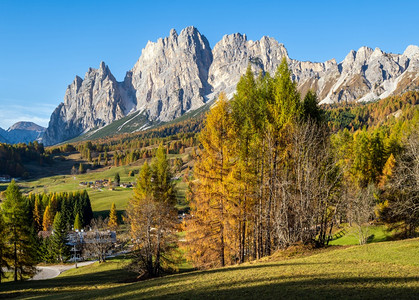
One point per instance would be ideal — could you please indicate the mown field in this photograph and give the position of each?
(388, 270)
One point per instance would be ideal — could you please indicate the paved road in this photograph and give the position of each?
(55, 270)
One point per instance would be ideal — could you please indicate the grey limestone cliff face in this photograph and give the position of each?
(180, 72)
(92, 102)
(364, 75)
(171, 75)
(234, 53)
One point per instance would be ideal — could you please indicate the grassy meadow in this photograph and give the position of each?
(101, 200)
(388, 270)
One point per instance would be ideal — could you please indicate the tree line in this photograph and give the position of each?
(13, 158)
(355, 116)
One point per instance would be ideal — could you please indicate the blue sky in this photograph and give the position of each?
(45, 44)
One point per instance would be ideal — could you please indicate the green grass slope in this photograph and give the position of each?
(102, 199)
(376, 233)
(388, 270)
(128, 124)
(137, 122)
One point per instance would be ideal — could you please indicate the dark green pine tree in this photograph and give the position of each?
(86, 207)
(117, 179)
(29, 207)
(4, 249)
(70, 208)
(162, 184)
(78, 207)
(63, 210)
(311, 109)
(45, 252)
(59, 238)
(67, 211)
(45, 200)
(18, 234)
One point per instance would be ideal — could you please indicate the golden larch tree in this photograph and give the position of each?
(113, 218)
(47, 219)
(210, 229)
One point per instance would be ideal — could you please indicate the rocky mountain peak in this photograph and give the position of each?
(103, 67)
(363, 54)
(21, 132)
(235, 52)
(92, 102)
(234, 39)
(170, 77)
(349, 58)
(26, 126)
(377, 52)
(412, 51)
(181, 72)
(190, 30)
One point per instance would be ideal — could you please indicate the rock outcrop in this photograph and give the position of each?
(171, 75)
(92, 102)
(181, 73)
(233, 54)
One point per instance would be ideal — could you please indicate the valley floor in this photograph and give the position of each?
(387, 270)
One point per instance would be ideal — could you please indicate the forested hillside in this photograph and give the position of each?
(14, 157)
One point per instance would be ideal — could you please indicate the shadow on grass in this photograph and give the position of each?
(290, 287)
(45, 287)
(105, 214)
(112, 284)
(110, 277)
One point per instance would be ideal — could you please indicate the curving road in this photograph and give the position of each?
(55, 270)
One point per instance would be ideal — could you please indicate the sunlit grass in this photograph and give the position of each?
(373, 271)
(376, 233)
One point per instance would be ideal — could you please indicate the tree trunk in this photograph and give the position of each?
(243, 238)
(15, 260)
(148, 254)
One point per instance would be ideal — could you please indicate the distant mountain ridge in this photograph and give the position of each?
(3, 133)
(181, 72)
(21, 132)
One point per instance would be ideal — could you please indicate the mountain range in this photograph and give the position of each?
(21, 132)
(181, 73)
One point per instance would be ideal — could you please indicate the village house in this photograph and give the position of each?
(91, 244)
(88, 244)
